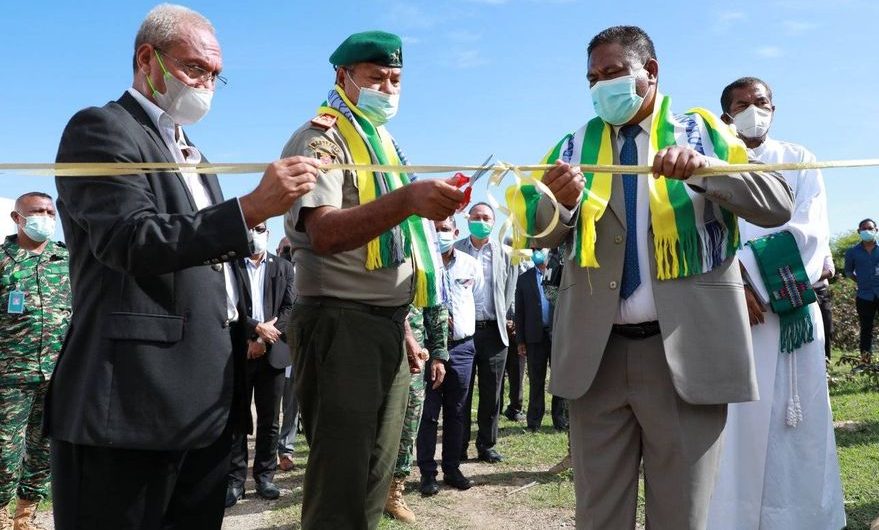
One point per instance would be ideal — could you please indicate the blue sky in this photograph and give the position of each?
(480, 76)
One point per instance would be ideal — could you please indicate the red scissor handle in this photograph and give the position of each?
(458, 181)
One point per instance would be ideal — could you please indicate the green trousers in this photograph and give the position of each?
(352, 381)
(410, 424)
(24, 451)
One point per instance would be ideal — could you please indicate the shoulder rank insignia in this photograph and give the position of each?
(324, 121)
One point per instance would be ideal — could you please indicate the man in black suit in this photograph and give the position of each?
(268, 298)
(149, 385)
(533, 327)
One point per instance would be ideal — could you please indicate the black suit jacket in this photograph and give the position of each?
(150, 360)
(277, 301)
(529, 319)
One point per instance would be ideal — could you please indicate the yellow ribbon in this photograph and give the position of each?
(115, 169)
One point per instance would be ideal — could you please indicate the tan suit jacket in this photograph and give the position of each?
(703, 319)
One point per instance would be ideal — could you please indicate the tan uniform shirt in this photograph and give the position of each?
(343, 275)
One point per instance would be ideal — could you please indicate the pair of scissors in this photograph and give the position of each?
(465, 183)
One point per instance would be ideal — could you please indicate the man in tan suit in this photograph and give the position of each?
(649, 365)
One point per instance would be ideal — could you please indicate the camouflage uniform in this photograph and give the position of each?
(430, 327)
(29, 346)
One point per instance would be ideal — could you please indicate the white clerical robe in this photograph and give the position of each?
(773, 476)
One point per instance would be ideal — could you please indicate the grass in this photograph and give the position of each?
(528, 455)
(854, 401)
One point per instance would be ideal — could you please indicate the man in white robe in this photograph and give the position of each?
(777, 473)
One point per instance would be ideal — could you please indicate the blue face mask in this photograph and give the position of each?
(615, 100)
(446, 240)
(376, 105)
(538, 257)
(39, 227)
(867, 235)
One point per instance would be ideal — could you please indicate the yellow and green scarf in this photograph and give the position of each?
(691, 235)
(415, 237)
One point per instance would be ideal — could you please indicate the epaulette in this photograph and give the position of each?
(324, 121)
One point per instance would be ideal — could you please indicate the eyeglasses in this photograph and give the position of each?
(260, 229)
(193, 71)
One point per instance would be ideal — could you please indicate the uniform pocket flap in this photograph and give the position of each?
(144, 327)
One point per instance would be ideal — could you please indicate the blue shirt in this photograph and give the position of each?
(865, 266)
(544, 302)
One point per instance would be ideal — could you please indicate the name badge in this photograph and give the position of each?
(16, 303)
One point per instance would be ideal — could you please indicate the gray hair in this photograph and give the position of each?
(162, 26)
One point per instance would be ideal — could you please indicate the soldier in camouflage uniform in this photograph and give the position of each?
(430, 331)
(34, 314)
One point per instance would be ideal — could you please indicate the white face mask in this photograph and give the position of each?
(183, 103)
(260, 242)
(753, 122)
(375, 104)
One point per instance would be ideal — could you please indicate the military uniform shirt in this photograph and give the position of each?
(344, 274)
(30, 341)
(430, 327)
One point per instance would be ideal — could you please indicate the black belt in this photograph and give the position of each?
(482, 324)
(395, 313)
(454, 343)
(637, 331)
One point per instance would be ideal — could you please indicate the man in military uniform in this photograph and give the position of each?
(426, 338)
(34, 314)
(361, 257)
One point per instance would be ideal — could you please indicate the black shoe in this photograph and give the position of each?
(532, 428)
(233, 494)
(490, 455)
(429, 486)
(267, 490)
(514, 415)
(561, 427)
(457, 480)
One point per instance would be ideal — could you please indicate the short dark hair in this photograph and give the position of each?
(867, 220)
(32, 194)
(482, 203)
(634, 39)
(742, 82)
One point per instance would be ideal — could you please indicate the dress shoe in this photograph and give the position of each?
(532, 428)
(267, 490)
(285, 462)
(490, 455)
(233, 494)
(457, 480)
(429, 486)
(561, 427)
(513, 415)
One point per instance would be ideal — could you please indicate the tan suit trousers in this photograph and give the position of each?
(630, 412)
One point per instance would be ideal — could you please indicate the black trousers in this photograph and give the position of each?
(266, 384)
(488, 364)
(825, 304)
(867, 316)
(515, 369)
(538, 360)
(98, 488)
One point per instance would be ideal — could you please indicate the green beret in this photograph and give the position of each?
(376, 47)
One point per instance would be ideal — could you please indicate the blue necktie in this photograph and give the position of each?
(629, 157)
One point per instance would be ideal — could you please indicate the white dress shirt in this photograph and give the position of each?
(484, 295)
(256, 273)
(639, 306)
(172, 135)
(465, 279)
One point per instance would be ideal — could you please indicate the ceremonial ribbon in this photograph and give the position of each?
(119, 169)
